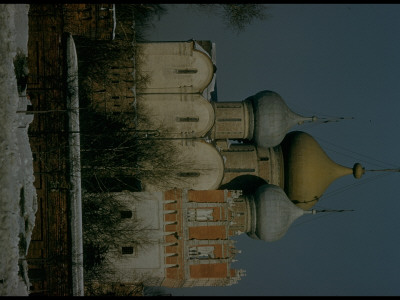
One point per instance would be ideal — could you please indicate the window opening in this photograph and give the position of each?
(189, 174)
(202, 252)
(187, 119)
(200, 214)
(186, 71)
(127, 250)
(126, 214)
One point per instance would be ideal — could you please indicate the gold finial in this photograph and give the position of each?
(358, 170)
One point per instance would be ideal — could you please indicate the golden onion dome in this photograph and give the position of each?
(308, 169)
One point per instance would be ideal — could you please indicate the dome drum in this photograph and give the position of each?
(271, 165)
(239, 159)
(247, 159)
(233, 120)
(252, 220)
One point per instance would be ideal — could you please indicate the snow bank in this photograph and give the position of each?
(18, 203)
(75, 173)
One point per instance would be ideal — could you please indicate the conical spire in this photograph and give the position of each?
(273, 118)
(308, 169)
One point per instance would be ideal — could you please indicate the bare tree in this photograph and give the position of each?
(104, 230)
(21, 70)
(143, 15)
(236, 16)
(155, 291)
(113, 289)
(143, 285)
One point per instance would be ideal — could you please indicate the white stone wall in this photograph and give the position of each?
(146, 262)
(174, 67)
(194, 157)
(176, 115)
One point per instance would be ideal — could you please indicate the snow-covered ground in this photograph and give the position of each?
(18, 203)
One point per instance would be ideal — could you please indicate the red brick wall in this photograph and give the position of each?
(206, 196)
(209, 271)
(207, 232)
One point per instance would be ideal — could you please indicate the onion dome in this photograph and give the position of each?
(273, 118)
(308, 169)
(272, 213)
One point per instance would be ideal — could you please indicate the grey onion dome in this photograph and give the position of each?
(272, 118)
(272, 213)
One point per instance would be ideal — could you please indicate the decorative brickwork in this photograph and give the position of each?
(198, 227)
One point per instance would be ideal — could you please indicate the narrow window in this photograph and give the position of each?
(186, 71)
(233, 170)
(189, 174)
(239, 149)
(127, 250)
(126, 214)
(230, 120)
(187, 119)
(228, 105)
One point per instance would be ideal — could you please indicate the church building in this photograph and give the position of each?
(244, 171)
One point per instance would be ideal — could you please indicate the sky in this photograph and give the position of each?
(328, 60)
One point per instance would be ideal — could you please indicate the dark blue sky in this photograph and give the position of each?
(324, 60)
